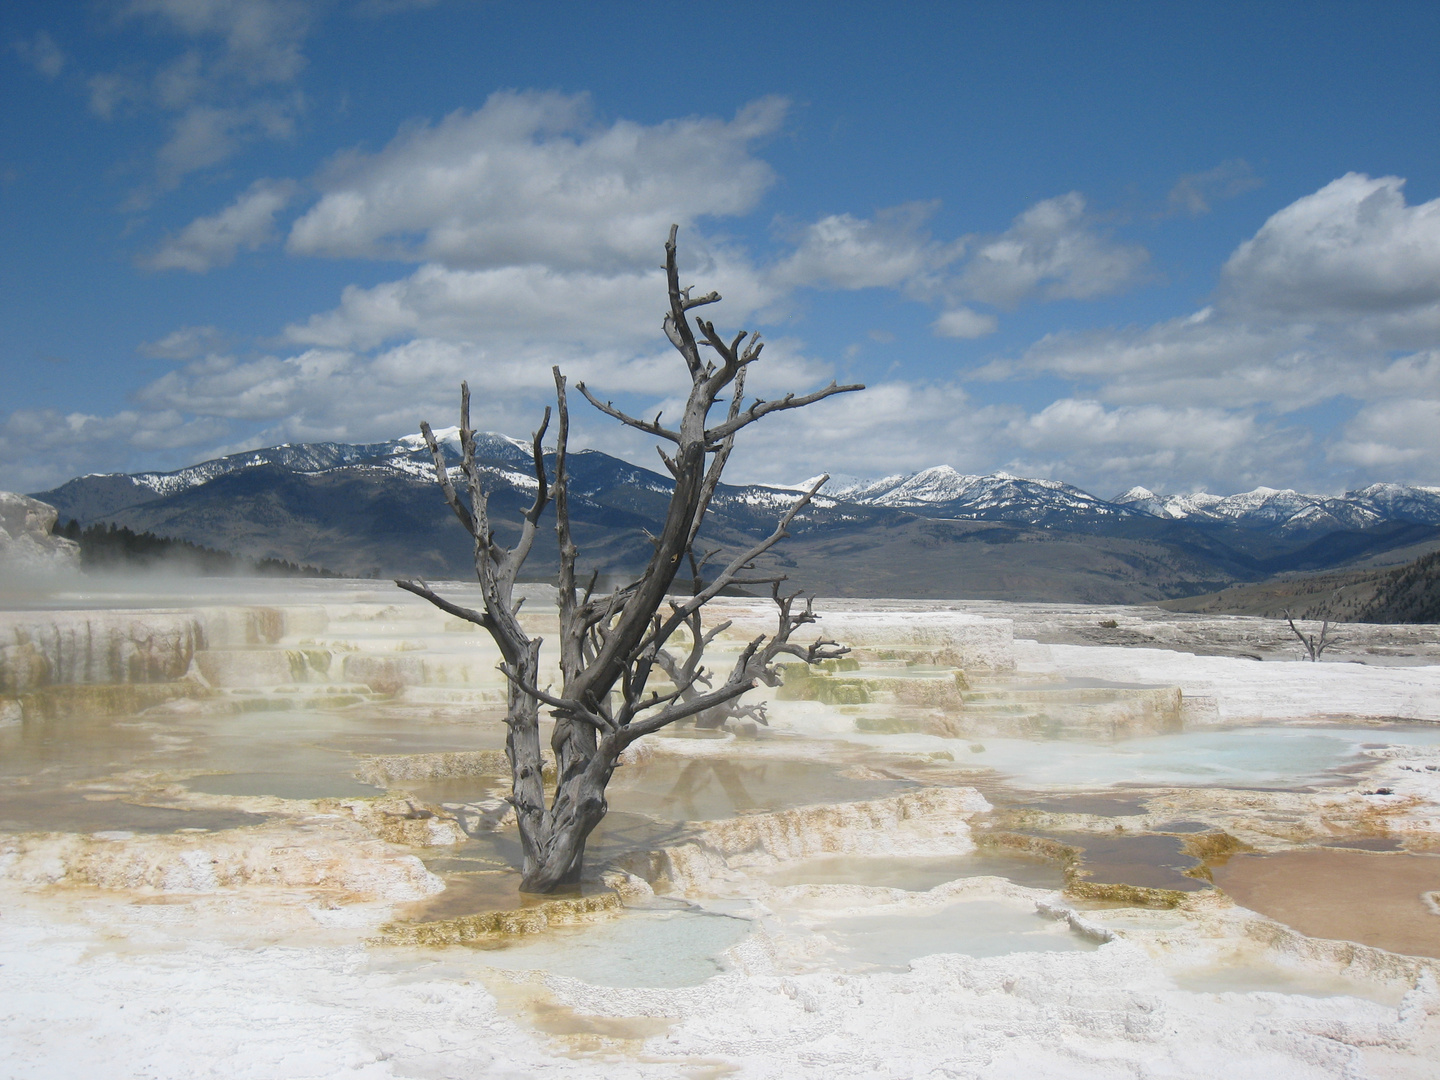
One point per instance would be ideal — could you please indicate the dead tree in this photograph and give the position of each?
(1315, 644)
(687, 674)
(611, 645)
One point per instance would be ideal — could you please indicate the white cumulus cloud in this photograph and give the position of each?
(962, 322)
(211, 241)
(890, 250)
(532, 179)
(1398, 437)
(1168, 447)
(526, 303)
(1353, 248)
(1053, 250)
(1336, 298)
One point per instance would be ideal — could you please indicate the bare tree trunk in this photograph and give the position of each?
(1315, 644)
(610, 645)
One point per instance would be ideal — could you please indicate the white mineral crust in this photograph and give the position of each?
(26, 545)
(252, 954)
(80, 1000)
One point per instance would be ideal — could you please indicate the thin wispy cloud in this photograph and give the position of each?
(229, 85)
(1196, 193)
(248, 223)
(42, 53)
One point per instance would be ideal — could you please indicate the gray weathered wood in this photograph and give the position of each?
(611, 645)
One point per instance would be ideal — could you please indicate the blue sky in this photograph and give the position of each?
(1180, 245)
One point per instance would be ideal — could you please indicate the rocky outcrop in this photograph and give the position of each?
(40, 649)
(931, 821)
(328, 855)
(58, 648)
(26, 545)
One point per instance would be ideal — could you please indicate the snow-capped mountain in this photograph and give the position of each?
(943, 492)
(262, 497)
(367, 507)
(99, 494)
(939, 492)
(1288, 512)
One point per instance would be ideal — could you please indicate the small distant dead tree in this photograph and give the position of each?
(1315, 644)
(611, 645)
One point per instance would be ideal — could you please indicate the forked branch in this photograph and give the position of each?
(765, 408)
(1315, 644)
(651, 427)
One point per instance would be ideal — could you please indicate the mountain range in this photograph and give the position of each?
(376, 509)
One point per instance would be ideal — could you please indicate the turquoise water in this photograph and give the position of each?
(642, 948)
(1263, 757)
(971, 927)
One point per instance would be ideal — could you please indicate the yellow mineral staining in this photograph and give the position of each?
(1212, 849)
(1129, 895)
(493, 927)
(383, 771)
(1040, 847)
(333, 857)
(400, 819)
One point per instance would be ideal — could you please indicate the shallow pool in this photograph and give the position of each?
(656, 948)
(891, 940)
(918, 874)
(1272, 756)
(714, 788)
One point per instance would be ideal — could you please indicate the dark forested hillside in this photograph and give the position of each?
(1410, 594)
(112, 547)
(1407, 594)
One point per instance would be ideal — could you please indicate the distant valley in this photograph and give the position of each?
(375, 509)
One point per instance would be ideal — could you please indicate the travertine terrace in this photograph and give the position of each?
(259, 830)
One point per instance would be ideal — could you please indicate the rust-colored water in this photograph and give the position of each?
(1374, 899)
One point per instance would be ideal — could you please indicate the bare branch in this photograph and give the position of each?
(515, 558)
(728, 576)
(537, 453)
(651, 427)
(442, 475)
(419, 588)
(741, 562)
(677, 324)
(568, 551)
(687, 303)
(485, 546)
(765, 408)
(742, 678)
(718, 461)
